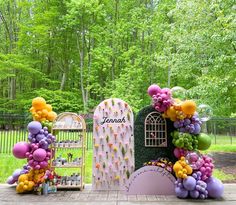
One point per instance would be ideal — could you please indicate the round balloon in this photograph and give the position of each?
(215, 187)
(205, 112)
(34, 127)
(20, 149)
(181, 192)
(189, 183)
(178, 92)
(39, 154)
(153, 90)
(204, 141)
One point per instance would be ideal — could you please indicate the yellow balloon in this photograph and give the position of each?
(25, 187)
(21, 184)
(31, 185)
(51, 116)
(19, 189)
(23, 178)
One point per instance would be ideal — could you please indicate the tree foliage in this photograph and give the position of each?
(76, 53)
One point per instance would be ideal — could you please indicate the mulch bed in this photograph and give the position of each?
(226, 162)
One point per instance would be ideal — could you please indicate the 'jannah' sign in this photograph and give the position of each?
(113, 160)
(151, 180)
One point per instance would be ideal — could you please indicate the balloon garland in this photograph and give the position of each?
(36, 151)
(193, 170)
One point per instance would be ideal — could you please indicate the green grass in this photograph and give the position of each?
(221, 148)
(223, 176)
(8, 163)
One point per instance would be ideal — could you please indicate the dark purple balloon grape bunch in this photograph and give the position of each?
(40, 139)
(192, 187)
(189, 125)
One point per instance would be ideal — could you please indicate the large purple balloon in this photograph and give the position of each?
(215, 187)
(153, 90)
(16, 174)
(39, 154)
(34, 127)
(189, 183)
(10, 180)
(181, 192)
(19, 150)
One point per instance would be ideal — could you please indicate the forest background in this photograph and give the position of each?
(75, 53)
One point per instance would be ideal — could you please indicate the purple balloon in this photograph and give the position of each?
(197, 128)
(189, 183)
(40, 137)
(34, 127)
(181, 192)
(10, 180)
(194, 194)
(215, 187)
(16, 174)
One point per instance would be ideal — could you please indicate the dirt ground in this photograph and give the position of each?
(226, 162)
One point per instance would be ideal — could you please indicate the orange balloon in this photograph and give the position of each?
(48, 107)
(44, 113)
(51, 116)
(189, 107)
(39, 103)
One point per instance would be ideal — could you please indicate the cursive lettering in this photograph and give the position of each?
(109, 120)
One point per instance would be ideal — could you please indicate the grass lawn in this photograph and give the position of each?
(8, 163)
(219, 174)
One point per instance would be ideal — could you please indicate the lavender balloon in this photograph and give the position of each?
(34, 127)
(215, 187)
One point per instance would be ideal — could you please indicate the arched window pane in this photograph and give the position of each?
(155, 130)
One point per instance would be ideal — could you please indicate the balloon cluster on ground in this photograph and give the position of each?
(37, 152)
(192, 169)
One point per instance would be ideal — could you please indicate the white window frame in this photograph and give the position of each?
(155, 125)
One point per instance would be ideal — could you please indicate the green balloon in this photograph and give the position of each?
(204, 141)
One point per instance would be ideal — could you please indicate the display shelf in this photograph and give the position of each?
(68, 166)
(70, 131)
(68, 147)
(81, 187)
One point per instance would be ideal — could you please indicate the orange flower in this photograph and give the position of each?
(97, 166)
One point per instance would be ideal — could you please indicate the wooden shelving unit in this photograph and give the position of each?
(74, 129)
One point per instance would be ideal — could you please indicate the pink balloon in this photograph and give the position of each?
(39, 154)
(37, 166)
(177, 153)
(43, 164)
(153, 90)
(20, 149)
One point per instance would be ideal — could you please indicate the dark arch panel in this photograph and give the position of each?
(144, 154)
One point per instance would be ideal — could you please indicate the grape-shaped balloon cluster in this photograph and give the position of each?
(190, 125)
(206, 168)
(194, 159)
(161, 98)
(42, 137)
(191, 187)
(42, 111)
(184, 140)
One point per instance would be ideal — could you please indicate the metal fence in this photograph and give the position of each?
(13, 130)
